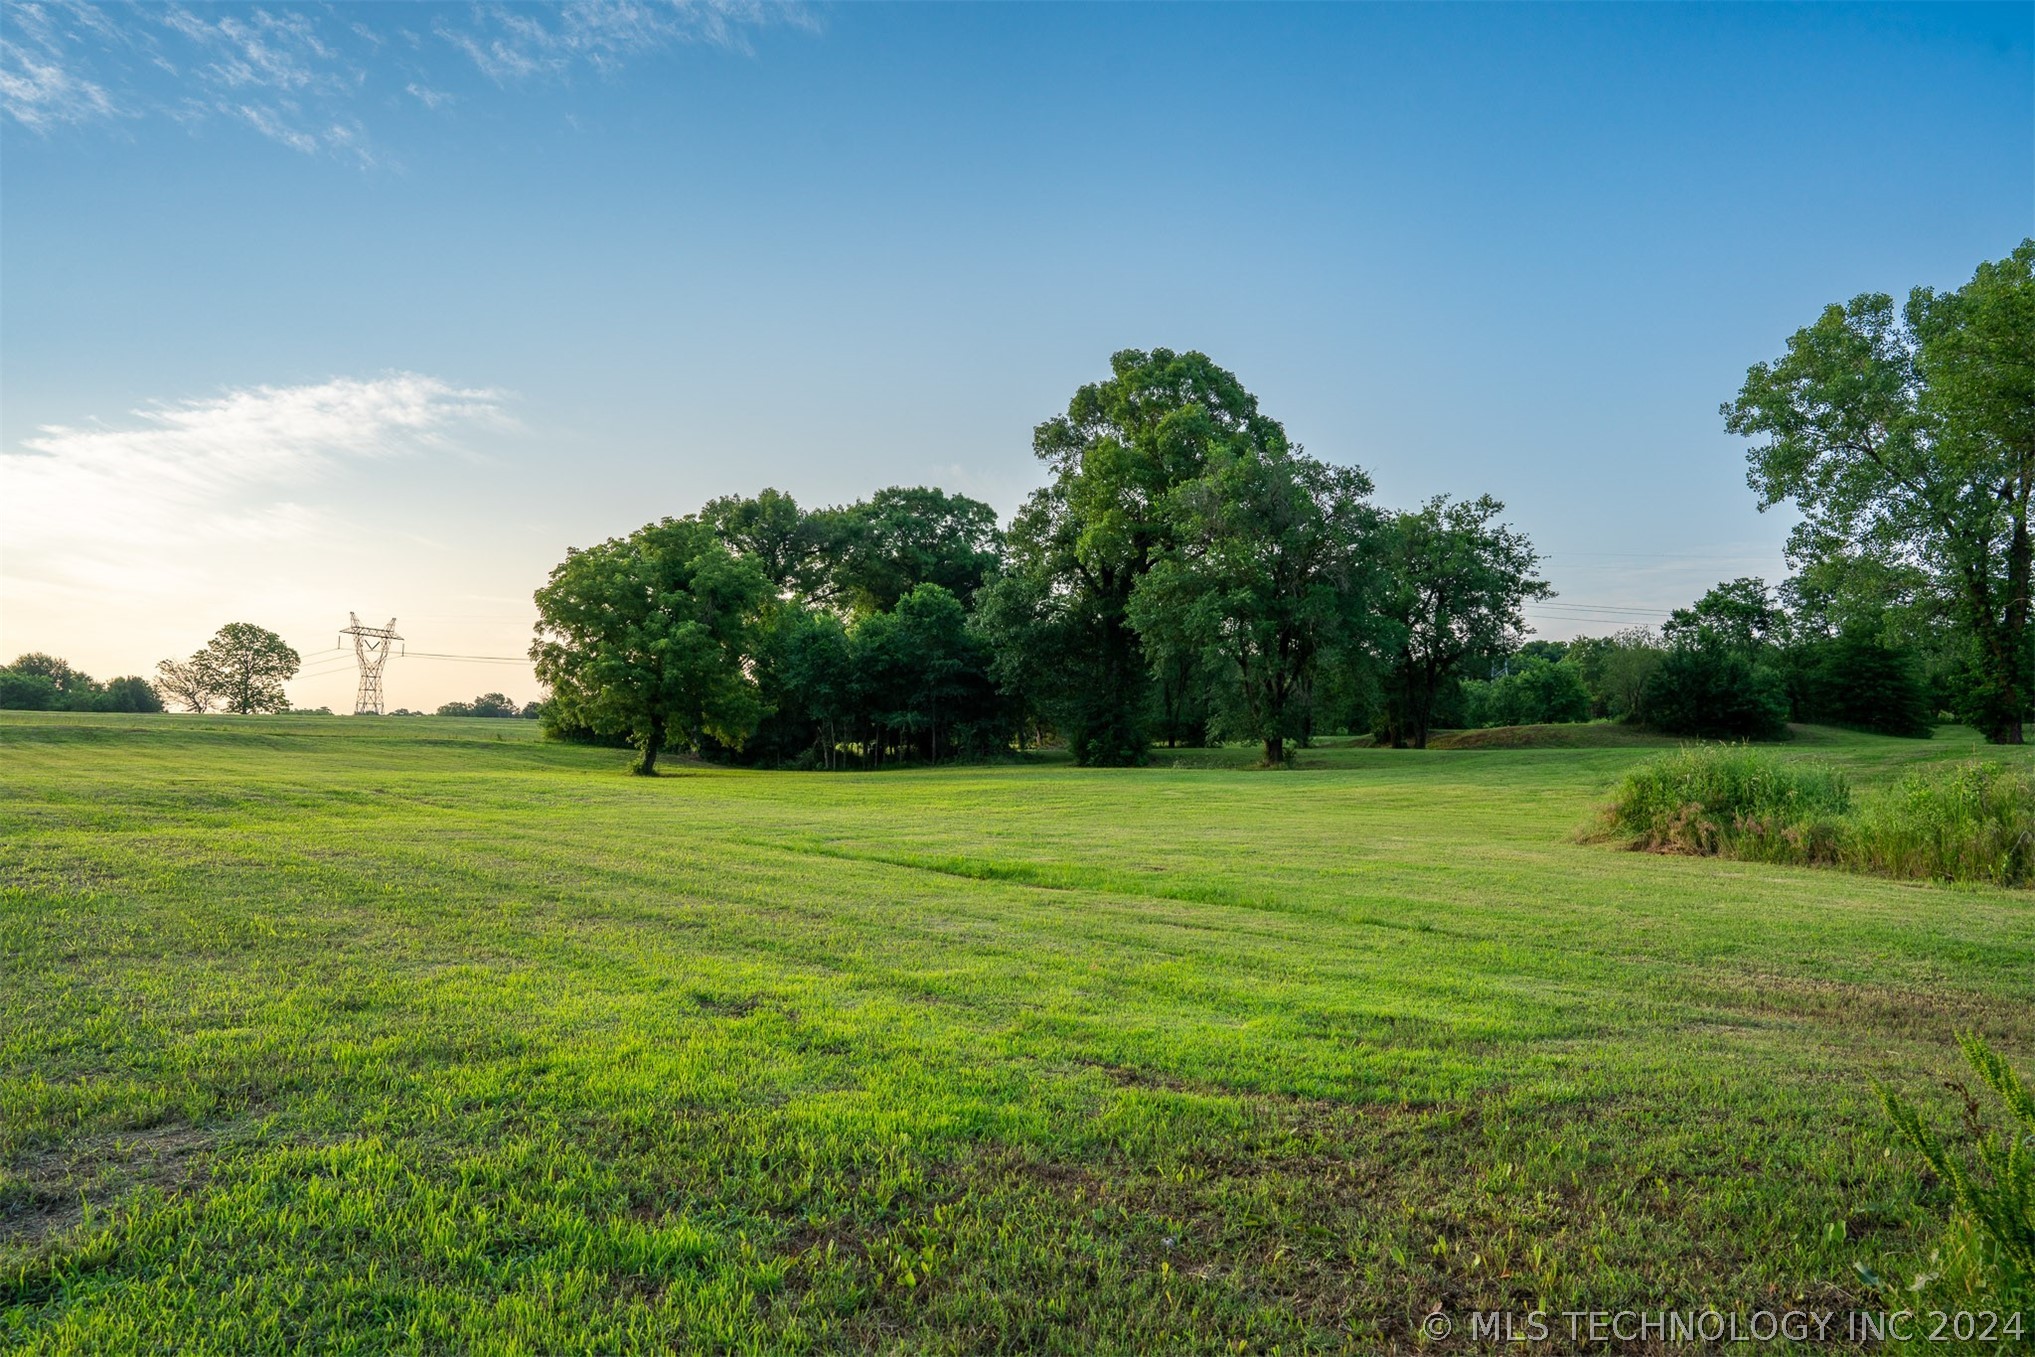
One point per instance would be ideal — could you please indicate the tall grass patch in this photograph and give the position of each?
(1961, 822)
(1968, 822)
(1735, 802)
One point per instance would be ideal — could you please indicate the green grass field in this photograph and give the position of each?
(423, 1035)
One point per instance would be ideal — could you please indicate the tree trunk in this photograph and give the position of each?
(2020, 558)
(646, 762)
(1275, 750)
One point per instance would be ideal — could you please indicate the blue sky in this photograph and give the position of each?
(381, 307)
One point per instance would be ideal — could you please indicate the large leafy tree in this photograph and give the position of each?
(1080, 545)
(1457, 582)
(1907, 437)
(1267, 574)
(243, 668)
(645, 637)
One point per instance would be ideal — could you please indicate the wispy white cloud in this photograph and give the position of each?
(39, 87)
(301, 76)
(511, 44)
(184, 496)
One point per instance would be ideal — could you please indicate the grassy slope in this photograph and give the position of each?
(394, 1036)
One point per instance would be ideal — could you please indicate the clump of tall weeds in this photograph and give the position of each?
(1962, 822)
(1732, 801)
(1970, 822)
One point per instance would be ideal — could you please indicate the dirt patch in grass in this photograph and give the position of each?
(44, 1194)
(1877, 1010)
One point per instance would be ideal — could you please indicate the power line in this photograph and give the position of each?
(471, 659)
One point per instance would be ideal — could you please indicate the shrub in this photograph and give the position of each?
(1733, 801)
(1537, 692)
(1716, 694)
(1970, 822)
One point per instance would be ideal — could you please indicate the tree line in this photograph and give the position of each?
(1186, 574)
(241, 670)
(1739, 664)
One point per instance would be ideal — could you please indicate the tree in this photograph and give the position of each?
(73, 687)
(805, 668)
(645, 637)
(243, 667)
(905, 536)
(1716, 693)
(795, 550)
(1082, 542)
(1266, 574)
(1456, 583)
(1739, 615)
(1909, 439)
(1627, 664)
(187, 682)
(918, 673)
(1855, 679)
(1535, 691)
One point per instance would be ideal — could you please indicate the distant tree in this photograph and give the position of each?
(1626, 667)
(1267, 574)
(1854, 679)
(487, 704)
(918, 672)
(646, 637)
(805, 669)
(243, 667)
(1908, 439)
(531, 711)
(1739, 615)
(186, 682)
(1456, 581)
(132, 693)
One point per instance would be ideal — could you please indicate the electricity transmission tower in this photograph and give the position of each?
(371, 648)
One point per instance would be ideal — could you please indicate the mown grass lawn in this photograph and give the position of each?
(421, 1035)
